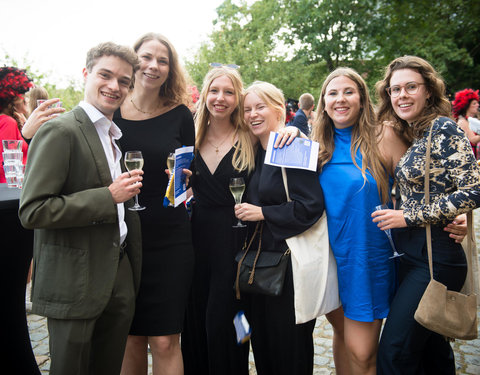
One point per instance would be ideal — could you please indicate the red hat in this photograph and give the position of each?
(462, 100)
(13, 82)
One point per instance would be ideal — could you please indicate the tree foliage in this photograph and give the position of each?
(294, 44)
(250, 36)
(70, 96)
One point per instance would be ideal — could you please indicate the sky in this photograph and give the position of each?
(53, 36)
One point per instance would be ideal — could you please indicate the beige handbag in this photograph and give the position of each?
(314, 269)
(451, 314)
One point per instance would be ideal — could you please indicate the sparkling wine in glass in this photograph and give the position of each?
(237, 187)
(134, 160)
(388, 232)
(170, 166)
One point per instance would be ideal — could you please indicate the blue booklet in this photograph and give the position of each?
(301, 153)
(183, 158)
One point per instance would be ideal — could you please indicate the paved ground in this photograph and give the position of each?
(467, 353)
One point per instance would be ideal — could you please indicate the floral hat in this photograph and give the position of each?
(462, 101)
(14, 82)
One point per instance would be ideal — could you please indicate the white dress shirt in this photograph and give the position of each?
(108, 132)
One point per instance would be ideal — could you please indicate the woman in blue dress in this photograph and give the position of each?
(356, 176)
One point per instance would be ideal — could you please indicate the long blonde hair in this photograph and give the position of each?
(244, 156)
(437, 104)
(365, 133)
(174, 89)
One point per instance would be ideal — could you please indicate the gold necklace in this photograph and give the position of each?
(220, 145)
(144, 112)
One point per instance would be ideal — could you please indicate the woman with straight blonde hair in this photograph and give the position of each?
(224, 150)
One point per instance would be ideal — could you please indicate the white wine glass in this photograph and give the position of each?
(170, 166)
(134, 160)
(388, 232)
(237, 187)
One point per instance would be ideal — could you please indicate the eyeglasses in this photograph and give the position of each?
(217, 65)
(411, 88)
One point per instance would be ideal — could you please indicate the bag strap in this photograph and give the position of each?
(285, 183)
(252, 274)
(427, 200)
(237, 286)
(428, 226)
(470, 234)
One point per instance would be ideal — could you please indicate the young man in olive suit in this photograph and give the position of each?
(87, 249)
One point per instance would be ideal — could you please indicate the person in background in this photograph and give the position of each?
(87, 248)
(306, 103)
(280, 346)
(14, 83)
(36, 93)
(465, 105)
(155, 119)
(412, 99)
(223, 150)
(289, 112)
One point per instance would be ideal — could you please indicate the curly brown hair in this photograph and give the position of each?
(437, 103)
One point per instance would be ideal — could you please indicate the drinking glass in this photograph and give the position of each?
(237, 187)
(10, 174)
(20, 174)
(11, 145)
(388, 232)
(171, 166)
(134, 160)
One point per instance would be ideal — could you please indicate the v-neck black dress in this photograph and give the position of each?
(209, 341)
(167, 265)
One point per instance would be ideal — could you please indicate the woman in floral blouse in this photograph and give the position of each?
(412, 97)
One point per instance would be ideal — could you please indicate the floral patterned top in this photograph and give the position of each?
(454, 176)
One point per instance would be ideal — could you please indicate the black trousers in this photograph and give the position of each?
(280, 346)
(406, 347)
(209, 344)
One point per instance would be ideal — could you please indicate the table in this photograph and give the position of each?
(16, 255)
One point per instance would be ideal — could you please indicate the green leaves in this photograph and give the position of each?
(294, 44)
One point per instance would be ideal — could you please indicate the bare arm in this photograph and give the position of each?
(39, 116)
(472, 137)
(391, 146)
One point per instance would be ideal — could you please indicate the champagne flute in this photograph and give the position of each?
(171, 166)
(388, 232)
(237, 187)
(134, 160)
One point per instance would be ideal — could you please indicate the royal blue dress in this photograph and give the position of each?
(366, 275)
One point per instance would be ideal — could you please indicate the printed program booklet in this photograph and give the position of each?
(301, 153)
(183, 158)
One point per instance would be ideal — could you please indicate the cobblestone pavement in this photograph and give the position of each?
(467, 353)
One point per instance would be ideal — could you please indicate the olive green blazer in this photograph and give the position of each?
(66, 199)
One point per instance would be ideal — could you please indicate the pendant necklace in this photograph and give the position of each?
(144, 112)
(220, 145)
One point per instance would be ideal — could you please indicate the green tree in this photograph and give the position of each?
(70, 96)
(250, 36)
(447, 34)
